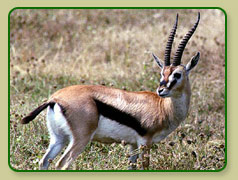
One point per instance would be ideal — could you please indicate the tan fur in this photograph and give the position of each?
(155, 111)
(155, 114)
(167, 72)
(77, 111)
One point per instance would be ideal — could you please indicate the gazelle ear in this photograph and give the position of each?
(192, 63)
(159, 62)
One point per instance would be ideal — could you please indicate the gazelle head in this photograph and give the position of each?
(174, 77)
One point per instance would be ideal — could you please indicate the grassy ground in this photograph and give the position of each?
(51, 49)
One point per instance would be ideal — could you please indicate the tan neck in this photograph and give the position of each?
(180, 104)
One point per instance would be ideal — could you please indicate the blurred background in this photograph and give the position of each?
(54, 48)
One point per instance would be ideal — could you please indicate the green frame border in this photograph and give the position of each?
(16, 170)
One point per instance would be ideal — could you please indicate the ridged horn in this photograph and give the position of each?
(183, 43)
(169, 44)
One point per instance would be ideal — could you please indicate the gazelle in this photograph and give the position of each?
(82, 113)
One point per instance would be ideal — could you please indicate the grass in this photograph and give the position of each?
(51, 49)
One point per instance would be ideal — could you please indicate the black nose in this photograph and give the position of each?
(160, 91)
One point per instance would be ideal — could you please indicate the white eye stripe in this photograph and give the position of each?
(161, 78)
(176, 74)
(168, 84)
(171, 77)
(161, 75)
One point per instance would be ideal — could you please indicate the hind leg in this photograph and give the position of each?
(77, 144)
(58, 136)
(74, 148)
(80, 128)
(55, 146)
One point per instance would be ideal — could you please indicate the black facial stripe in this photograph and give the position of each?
(120, 117)
(162, 83)
(172, 84)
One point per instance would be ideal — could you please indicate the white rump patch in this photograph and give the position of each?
(57, 123)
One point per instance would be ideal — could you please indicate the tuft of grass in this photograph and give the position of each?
(51, 49)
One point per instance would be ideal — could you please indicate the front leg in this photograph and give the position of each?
(145, 157)
(145, 145)
(133, 157)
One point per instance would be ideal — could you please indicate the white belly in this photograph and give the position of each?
(110, 131)
(162, 134)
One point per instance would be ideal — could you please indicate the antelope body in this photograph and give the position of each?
(82, 113)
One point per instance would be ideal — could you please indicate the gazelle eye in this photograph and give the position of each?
(177, 75)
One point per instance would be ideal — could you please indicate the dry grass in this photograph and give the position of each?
(51, 49)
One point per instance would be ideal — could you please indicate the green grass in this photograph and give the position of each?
(51, 49)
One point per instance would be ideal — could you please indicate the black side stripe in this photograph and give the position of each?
(119, 116)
